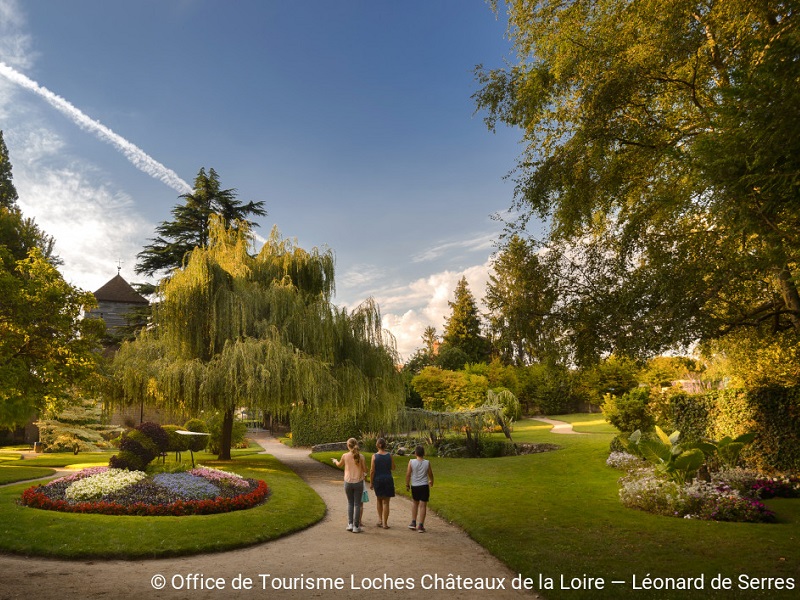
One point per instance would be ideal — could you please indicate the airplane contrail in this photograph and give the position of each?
(138, 157)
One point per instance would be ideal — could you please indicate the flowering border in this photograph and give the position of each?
(34, 498)
(731, 495)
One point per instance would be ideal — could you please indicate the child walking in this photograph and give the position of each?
(419, 479)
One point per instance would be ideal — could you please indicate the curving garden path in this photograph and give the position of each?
(323, 550)
(559, 426)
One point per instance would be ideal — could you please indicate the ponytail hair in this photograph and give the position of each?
(352, 445)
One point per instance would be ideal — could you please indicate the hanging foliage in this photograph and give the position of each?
(472, 422)
(234, 330)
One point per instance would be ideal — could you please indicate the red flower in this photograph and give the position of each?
(34, 498)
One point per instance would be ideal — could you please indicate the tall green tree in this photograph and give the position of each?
(520, 298)
(430, 339)
(188, 228)
(8, 193)
(462, 329)
(663, 149)
(235, 330)
(18, 234)
(45, 347)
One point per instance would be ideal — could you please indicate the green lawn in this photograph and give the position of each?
(553, 514)
(558, 513)
(16, 472)
(584, 423)
(292, 506)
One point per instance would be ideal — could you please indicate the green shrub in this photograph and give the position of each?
(395, 444)
(630, 411)
(68, 443)
(772, 413)
(449, 447)
(692, 414)
(549, 389)
(618, 444)
(139, 447)
(197, 443)
(615, 375)
(495, 448)
(60, 437)
(176, 441)
(156, 433)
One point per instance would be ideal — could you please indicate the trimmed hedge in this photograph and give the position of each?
(139, 447)
(692, 415)
(177, 442)
(773, 413)
(310, 428)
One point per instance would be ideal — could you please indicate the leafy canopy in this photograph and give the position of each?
(662, 147)
(519, 297)
(45, 346)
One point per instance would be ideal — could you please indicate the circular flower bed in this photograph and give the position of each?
(201, 491)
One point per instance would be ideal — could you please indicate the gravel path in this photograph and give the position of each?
(559, 426)
(389, 559)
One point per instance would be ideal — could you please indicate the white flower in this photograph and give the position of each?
(97, 486)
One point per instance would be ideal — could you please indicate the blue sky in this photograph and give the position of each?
(352, 120)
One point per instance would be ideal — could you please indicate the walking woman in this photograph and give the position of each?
(354, 469)
(381, 480)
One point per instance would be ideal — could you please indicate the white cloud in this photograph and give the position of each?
(93, 225)
(14, 50)
(15, 45)
(407, 310)
(482, 242)
(34, 145)
(360, 275)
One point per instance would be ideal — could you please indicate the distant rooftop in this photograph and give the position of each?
(119, 290)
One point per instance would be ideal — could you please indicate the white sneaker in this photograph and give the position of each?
(349, 527)
(356, 529)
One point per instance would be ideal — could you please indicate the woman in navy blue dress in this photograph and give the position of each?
(381, 480)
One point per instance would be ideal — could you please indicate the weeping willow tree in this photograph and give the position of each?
(236, 330)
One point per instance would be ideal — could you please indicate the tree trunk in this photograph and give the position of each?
(227, 434)
(790, 295)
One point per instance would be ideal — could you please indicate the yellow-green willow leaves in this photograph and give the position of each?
(236, 330)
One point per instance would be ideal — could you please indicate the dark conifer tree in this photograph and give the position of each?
(189, 227)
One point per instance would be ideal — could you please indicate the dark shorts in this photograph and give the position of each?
(421, 493)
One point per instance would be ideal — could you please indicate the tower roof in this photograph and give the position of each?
(119, 290)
